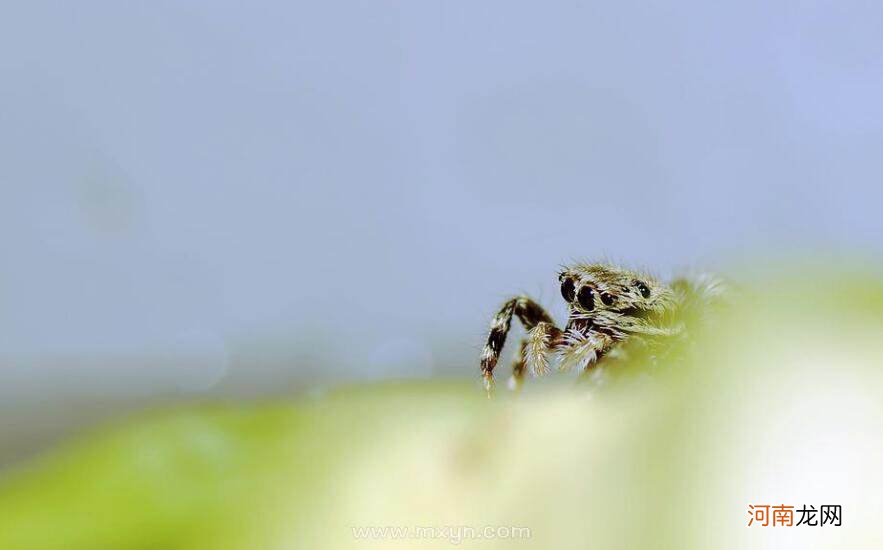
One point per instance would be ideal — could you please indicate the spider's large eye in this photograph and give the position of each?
(607, 299)
(586, 298)
(643, 289)
(567, 289)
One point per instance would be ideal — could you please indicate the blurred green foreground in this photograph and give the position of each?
(778, 403)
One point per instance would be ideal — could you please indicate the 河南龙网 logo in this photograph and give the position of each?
(764, 515)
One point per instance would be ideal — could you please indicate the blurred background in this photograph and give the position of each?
(206, 199)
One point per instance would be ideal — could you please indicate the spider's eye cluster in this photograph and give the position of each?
(568, 289)
(643, 289)
(586, 298)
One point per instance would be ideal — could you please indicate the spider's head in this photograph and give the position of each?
(621, 300)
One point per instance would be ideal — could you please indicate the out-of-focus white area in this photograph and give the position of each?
(213, 198)
(791, 415)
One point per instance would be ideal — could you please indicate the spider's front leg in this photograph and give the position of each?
(532, 316)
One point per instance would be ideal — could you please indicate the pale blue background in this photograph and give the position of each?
(213, 198)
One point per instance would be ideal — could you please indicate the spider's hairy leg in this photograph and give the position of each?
(528, 312)
(533, 354)
(519, 364)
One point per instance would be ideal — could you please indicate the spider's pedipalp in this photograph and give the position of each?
(581, 350)
(541, 340)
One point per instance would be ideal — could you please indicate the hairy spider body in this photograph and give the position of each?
(607, 306)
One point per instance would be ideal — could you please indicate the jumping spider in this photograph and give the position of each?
(608, 305)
